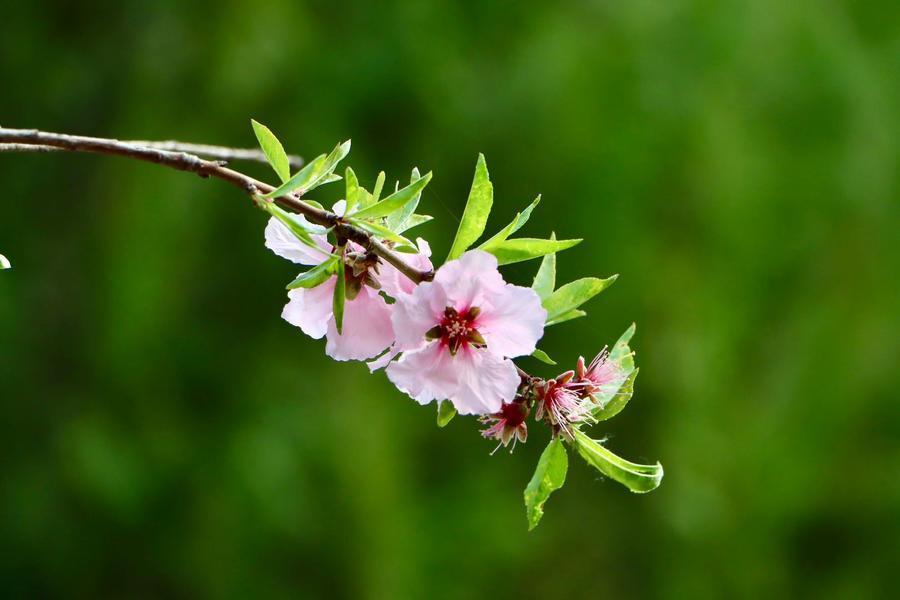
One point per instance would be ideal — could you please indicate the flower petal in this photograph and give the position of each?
(416, 313)
(311, 309)
(470, 280)
(513, 322)
(396, 283)
(484, 382)
(367, 328)
(476, 382)
(423, 374)
(282, 242)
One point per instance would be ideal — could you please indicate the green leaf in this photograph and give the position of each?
(314, 276)
(637, 478)
(475, 215)
(340, 295)
(615, 401)
(543, 357)
(397, 220)
(380, 230)
(379, 184)
(352, 190)
(545, 280)
(520, 249)
(574, 294)
(446, 412)
(621, 351)
(4, 263)
(395, 201)
(568, 316)
(273, 150)
(514, 226)
(318, 172)
(413, 221)
(549, 476)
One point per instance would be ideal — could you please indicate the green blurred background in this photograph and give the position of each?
(165, 434)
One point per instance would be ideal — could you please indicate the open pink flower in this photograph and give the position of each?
(367, 329)
(458, 332)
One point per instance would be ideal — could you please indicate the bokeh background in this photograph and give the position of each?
(165, 434)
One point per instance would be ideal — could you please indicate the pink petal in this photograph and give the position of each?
(339, 208)
(470, 280)
(383, 360)
(367, 328)
(513, 322)
(423, 374)
(484, 382)
(416, 313)
(282, 242)
(394, 282)
(476, 382)
(310, 309)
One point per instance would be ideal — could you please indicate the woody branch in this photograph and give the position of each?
(175, 156)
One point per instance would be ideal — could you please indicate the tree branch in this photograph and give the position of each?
(184, 161)
(202, 150)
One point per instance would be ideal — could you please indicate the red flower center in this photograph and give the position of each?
(457, 329)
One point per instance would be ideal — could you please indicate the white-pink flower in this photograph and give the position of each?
(458, 332)
(366, 330)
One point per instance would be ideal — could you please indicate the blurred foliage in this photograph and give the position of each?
(165, 433)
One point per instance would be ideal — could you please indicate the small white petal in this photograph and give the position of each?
(4, 262)
(340, 208)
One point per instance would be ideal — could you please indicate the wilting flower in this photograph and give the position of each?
(601, 376)
(366, 329)
(562, 402)
(458, 332)
(507, 424)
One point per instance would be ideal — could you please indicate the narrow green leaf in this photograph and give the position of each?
(549, 476)
(396, 221)
(301, 178)
(446, 412)
(521, 249)
(313, 277)
(340, 294)
(4, 263)
(273, 150)
(543, 357)
(316, 173)
(637, 478)
(414, 221)
(475, 215)
(568, 316)
(615, 401)
(514, 226)
(379, 184)
(574, 294)
(395, 201)
(545, 280)
(380, 230)
(352, 193)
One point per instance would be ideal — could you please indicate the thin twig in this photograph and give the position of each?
(191, 163)
(202, 150)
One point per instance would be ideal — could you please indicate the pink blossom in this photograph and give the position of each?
(600, 376)
(563, 402)
(458, 332)
(507, 424)
(367, 329)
